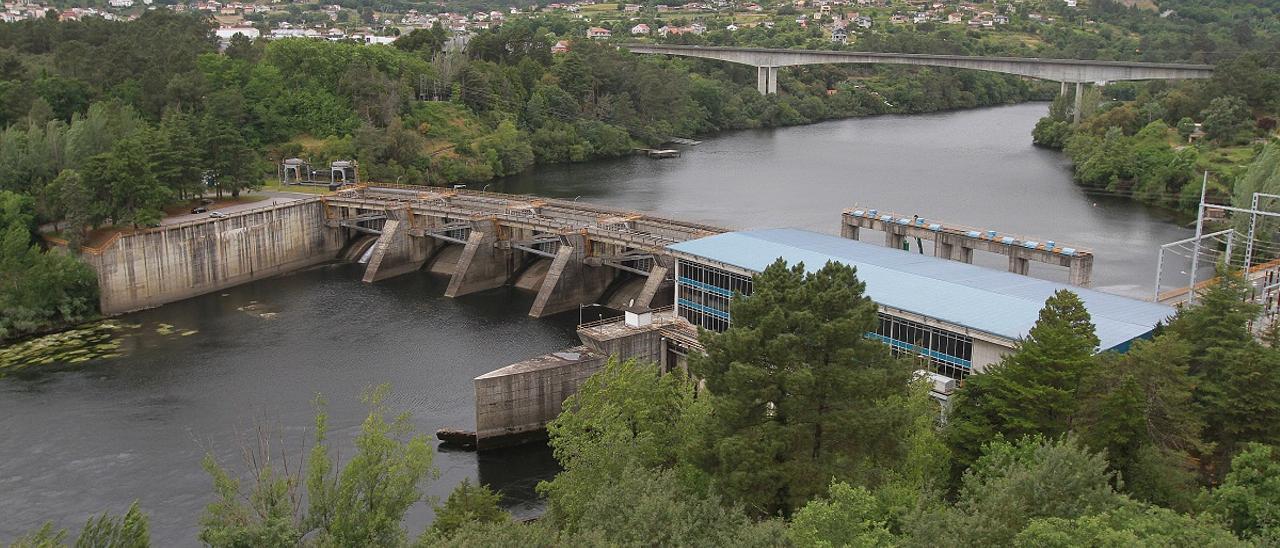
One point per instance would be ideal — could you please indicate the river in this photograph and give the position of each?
(82, 439)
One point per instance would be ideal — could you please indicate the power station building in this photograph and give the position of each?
(957, 317)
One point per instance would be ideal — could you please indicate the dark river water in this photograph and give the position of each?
(82, 439)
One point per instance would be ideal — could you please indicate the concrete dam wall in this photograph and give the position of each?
(172, 263)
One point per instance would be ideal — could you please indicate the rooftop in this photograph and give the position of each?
(993, 301)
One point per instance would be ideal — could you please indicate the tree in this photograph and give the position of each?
(1013, 484)
(175, 156)
(1248, 500)
(798, 394)
(231, 165)
(128, 531)
(362, 504)
(1131, 524)
(1234, 386)
(848, 516)
(1227, 120)
(467, 506)
(124, 181)
(1033, 389)
(38, 289)
(1138, 409)
(626, 415)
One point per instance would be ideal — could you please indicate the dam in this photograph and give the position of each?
(670, 277)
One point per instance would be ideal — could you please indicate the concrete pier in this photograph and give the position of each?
(515, 403)
(958, 243)
(481, 266)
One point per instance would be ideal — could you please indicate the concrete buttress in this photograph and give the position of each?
(570, 282)
(481, 266)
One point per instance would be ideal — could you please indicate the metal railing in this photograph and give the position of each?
(619, 319)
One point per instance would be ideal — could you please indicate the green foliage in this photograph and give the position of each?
(654, 508)
(625, 416)
(1138, 408)
(1013, 484)
(1248, 500)
(779, 433)
(128, 531)
(38, 289)
(1130, 525)
(849, 516)
(1234, 386)
(467, 506)
(1032, 390)
(362, 504)
(1227, 120)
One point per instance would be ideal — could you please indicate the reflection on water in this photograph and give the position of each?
(94, 437)
(975, 168)
(82, 439)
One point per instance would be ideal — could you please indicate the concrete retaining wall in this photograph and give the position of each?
(515, 403)
(168, 264)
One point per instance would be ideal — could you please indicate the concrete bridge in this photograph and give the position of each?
(1078, 72)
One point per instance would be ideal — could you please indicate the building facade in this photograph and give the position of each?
(955, 318)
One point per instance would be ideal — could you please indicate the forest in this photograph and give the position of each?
(793, 429)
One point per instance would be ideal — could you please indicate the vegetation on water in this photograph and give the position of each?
(1176, 442)
(73, 346)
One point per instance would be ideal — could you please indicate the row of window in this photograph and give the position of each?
(704, 297)
(946, 353)
(705, 292)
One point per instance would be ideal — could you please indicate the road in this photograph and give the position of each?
(272, 196)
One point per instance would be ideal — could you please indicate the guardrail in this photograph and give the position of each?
(618, 319)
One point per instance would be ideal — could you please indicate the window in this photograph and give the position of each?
(943, 351)
(704, 293)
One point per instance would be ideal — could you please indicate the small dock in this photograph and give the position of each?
(659, 153)
(682, 141)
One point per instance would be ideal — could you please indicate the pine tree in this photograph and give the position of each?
(1138, 408)
(799, 395)
(1032, 390)
(1235, 375)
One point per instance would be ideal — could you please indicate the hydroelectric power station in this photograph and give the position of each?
(670, 278)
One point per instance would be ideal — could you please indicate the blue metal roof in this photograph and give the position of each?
(997, 302)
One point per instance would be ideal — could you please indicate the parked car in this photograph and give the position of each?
(199, 209)
(217, 214)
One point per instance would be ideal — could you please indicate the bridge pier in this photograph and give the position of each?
(1075, 114)
(1019, 265)
(767, 80)
(1080, 271)
(892, 239)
